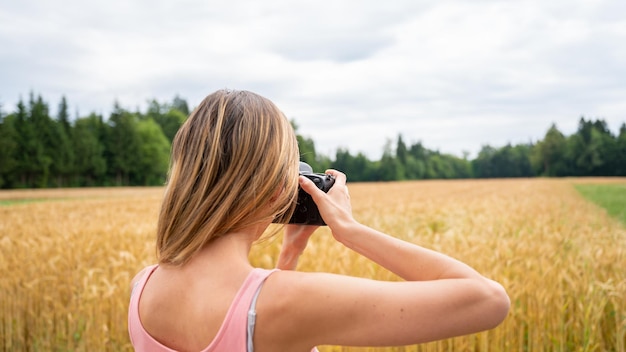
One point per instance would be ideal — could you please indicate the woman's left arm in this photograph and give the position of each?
(295, 240)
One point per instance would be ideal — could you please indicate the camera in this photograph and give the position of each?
(306, 212)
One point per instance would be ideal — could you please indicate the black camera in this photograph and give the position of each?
(306, 212)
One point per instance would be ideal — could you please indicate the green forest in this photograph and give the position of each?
(40, 148)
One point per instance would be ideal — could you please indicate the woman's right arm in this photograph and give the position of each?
(441, 298)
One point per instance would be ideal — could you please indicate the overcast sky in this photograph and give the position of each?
(453, 74)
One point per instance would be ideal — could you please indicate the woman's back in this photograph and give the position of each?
(186, 314)
(203, 305)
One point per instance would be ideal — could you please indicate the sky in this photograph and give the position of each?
(454, 75)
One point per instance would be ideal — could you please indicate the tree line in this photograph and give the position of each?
(593, 150)
(130, 148)
(39, 150)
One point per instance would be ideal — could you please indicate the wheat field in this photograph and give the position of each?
(67, 256)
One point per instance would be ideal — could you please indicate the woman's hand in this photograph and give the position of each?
(295, 240)
(335, 209)
(334, 206)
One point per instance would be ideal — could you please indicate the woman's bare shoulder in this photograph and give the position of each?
(139, 275)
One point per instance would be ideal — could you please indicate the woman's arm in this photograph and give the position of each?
(441, 298)
(328, 309)
(295, 239)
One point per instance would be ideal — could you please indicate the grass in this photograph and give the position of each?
(8, 202)
(611, 197)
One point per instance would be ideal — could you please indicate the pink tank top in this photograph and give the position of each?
(232, 335)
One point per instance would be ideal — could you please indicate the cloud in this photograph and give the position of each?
(455, 74)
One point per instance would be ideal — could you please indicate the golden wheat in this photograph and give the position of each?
(65, 264)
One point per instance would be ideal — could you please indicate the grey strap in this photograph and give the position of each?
(252, 317)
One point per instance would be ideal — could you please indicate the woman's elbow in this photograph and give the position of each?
(499, 304)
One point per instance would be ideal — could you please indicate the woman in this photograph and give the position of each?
(234, 170)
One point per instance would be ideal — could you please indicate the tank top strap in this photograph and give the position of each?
(252, 310)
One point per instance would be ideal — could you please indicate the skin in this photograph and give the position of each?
(441, 297)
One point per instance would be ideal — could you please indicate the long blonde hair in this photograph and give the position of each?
(234, 164)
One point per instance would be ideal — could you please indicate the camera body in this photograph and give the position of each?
(306, 212)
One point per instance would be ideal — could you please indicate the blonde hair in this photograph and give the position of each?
(234, 164)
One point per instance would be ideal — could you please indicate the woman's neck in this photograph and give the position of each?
(231, 249)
